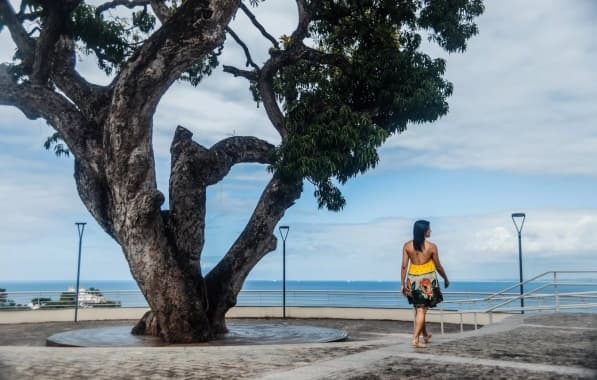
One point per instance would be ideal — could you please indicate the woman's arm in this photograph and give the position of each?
(403, 268)
(439, 267)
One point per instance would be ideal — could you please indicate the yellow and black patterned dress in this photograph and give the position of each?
(423, 284)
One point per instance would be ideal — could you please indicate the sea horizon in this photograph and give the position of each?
(259, 285)
(348, 293)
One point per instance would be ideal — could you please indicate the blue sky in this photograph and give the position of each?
(521, 135)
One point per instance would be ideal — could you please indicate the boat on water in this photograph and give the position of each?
(87, 298)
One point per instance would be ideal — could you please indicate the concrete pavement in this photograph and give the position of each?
(553, 346)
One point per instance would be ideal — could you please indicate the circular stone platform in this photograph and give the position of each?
(240, 333)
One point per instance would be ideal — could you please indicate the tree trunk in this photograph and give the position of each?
(184, 307)
(178, 305)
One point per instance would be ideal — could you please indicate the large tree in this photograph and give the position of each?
(348, 74)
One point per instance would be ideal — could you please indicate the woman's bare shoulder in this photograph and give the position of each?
(432, 245)
(408, 244)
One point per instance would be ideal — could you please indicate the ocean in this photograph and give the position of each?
(380, 294)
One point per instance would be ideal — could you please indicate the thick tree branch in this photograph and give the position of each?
(209, 166)
(186, 224)
(191, 33)
(236, 150)
(294, 51)
(193, 169)
(125, 3)
(37, 101)
(57, 15)
(250, 75)
(160, 9)
(56, 54)
(95, 193)
(250, 61)
(253, 19)
(319, 57)
(277, 60)
(90, 98)
(302, 27)
(187, 37)
(225, 280)
(266, 90)
(25, 44)
(22, 16)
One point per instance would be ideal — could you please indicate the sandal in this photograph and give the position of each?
(417, 344)
(427, 337)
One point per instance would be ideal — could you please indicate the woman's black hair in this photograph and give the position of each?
(419, 230)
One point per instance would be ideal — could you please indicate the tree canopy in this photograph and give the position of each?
(362, 78)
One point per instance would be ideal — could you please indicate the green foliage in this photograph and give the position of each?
(202, 69)
(55, 142)
(114, 40)
(108, 39)
(337, 118)
(144, 21)
(452, 22)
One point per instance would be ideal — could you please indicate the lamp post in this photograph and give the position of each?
(519, 217)
(284, 233)
(80, 229)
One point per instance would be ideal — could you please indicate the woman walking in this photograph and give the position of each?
(421, 287)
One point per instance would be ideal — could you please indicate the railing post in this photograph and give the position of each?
(555, 284)
(441, 317)
(461, 326)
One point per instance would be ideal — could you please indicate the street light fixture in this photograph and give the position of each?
(517, 218)
(284, 233)
(80, 229)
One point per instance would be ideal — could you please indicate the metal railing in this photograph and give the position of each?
(390, 299)
(564, 295)
(551, 291)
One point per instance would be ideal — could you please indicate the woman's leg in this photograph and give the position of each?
(426, 334)
(419, 322)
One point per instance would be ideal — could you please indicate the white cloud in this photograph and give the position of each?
(523, 98)
(471, 247)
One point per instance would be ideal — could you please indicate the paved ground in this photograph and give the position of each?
(555, 346)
